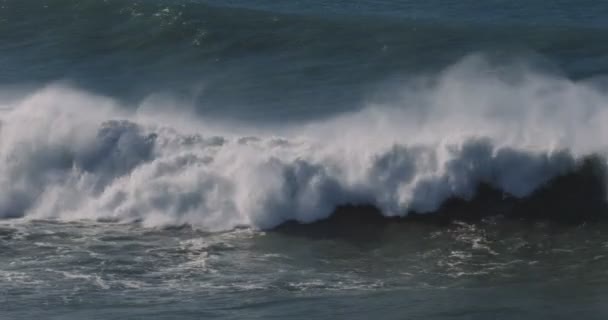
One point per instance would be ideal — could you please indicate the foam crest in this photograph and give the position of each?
(70, 155)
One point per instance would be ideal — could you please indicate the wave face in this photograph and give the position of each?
(67, 154)
(232, 57)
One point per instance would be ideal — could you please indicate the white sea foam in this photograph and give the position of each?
(70, 155)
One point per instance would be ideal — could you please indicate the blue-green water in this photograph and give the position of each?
(237, 56)
(158, 157)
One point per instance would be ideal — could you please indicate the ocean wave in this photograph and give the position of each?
(70, 155)
(232, 57)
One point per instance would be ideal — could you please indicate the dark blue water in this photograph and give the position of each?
(260, 159)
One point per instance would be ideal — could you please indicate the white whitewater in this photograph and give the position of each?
(72, 155)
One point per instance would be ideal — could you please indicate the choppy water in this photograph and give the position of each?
(156, 158)
(497, 269)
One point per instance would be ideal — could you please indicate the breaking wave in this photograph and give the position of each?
(69, 155)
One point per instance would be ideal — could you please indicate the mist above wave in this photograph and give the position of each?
(70, 155)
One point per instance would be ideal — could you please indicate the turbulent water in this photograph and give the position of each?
(303, 159)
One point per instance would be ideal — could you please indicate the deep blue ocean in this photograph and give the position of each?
(303, 159)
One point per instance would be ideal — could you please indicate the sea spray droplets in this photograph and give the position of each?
(81, 157)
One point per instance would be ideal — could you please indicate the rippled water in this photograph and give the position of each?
(463, 271)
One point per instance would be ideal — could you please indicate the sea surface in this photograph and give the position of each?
(303, 159)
